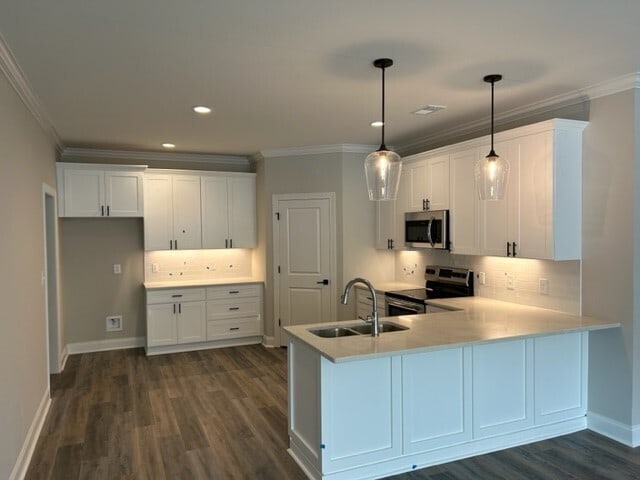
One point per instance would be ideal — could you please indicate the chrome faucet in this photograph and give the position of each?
(373, 319)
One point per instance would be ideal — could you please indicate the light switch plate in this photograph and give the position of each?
(114, 323)
(117, 268)
(482, 278)
(155, 268)
(511, 283)
(543, 286)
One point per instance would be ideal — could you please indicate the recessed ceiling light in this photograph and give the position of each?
(377, 123)
(201, 109)
(429, 109)
(168, 145)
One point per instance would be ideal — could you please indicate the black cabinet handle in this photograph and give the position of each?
(226, 243)
(514, 248)
(234, 291)
(179, 308)
(391, 243)
(428, 203)
(508, 249)
(102, 210)
(234, 328)
(231, 243)
(174, 308)
(175, 242)
(424, 204)
(234, 308)
(176, 296)
(170, 244)
(108, 213)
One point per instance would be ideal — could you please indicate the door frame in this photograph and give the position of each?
(51, 281)
(276, 198)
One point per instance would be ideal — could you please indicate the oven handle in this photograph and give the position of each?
(413, 306)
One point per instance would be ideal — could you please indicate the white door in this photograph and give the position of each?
(305, 249)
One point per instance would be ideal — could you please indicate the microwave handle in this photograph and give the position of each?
(429, 238)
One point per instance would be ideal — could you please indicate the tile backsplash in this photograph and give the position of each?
(514, 280)
(184, 265)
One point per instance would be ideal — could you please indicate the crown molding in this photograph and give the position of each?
(18, 80)
(575, 97)
(220, 160)
(317, 150)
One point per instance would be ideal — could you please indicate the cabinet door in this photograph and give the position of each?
(417, 183)
(123, 194)
(161, 325)
(536, 192)
(187, 222)
(215, 225)
(242, 212)
(192, 323)
(438, 182)
(402, 206)
(385, 224)
(158, 212)
(497, 216)
(83, 193)
(463, 224)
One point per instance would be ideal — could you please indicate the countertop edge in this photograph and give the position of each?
(200, 283)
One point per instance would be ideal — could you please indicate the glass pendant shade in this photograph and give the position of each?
(492, 177)
(382, 169)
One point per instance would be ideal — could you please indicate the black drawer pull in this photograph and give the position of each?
(234, 328)
(234, 308)
(233, 292)
(176, 296)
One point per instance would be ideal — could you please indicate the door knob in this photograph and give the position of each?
(324, 282)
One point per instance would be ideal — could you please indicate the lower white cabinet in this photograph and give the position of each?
(385, 414)
(364, 303)
(196, 318)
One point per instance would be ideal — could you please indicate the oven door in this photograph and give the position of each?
(397, 307)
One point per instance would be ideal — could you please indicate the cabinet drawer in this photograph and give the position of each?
(233, 308)
(239, 327)
(175, 295)
(363, 296)
(233, 291)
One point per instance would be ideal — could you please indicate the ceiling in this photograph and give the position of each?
(124, 74)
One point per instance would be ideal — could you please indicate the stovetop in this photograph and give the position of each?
(441, 282)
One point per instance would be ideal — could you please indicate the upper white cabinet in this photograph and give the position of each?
(541, 213)
(390, 217)
(229, 210)
(95, 190)
(428, 182)
(172, 212)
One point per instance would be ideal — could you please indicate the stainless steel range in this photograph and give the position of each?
(441, 282)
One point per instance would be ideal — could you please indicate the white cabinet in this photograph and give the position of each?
(428, 181)
(229, 210)
(175, 316)
(540, 216)
(172, 212)
(234, 311)
(390, 217)
(95, 190)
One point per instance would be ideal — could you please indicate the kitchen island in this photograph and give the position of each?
(484, 376)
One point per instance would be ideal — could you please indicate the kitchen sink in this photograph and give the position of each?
(384, 327)
(333, 332)
(365, 329)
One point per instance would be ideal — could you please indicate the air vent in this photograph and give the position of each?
(429, 109)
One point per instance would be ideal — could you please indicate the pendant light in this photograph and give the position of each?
(492, 172)
(382, 167)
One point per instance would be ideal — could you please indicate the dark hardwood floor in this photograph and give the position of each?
(222, 414)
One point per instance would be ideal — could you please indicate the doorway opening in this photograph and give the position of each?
(50, 278)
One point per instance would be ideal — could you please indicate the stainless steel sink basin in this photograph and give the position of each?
(384, 327)
(333, 332)
(364, 329)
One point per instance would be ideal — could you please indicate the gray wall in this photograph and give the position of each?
(342, 173)
(27, 159)
(610, 250)
(90, 247)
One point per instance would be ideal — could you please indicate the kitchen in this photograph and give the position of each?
(604, 276)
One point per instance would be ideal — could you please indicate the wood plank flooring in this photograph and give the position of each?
(222, 414)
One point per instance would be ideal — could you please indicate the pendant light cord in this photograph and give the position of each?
(492, 85)
(382, 145)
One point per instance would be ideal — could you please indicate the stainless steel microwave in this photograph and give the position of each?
(427, 229)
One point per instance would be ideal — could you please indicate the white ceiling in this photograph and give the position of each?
(124, 74)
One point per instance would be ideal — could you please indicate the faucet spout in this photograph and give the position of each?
(375, 331)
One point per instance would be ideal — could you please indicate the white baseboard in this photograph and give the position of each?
(269, 342)
(29, 445)
(63, 359)
(627, 434)
(104, 345)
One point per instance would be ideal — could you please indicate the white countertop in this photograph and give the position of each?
(199, 283)
(479, 320)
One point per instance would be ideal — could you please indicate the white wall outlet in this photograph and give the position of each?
(482, 278)
(155, 268)
(543, 286)
(114, 323)
(117, 268)
(511, 282)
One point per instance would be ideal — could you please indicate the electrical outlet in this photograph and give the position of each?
(482, 278)
(543, 286)
(117, 268)
(155, 268)
(511, 283)
(114, 323)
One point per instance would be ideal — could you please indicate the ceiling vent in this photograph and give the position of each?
(429, 109)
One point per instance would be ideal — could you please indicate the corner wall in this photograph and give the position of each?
(27, 158)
